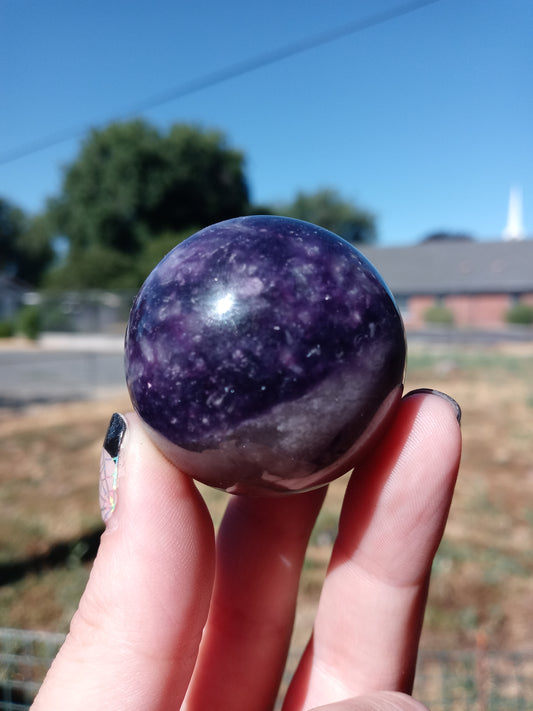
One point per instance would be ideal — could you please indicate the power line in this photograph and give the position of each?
(232, 71)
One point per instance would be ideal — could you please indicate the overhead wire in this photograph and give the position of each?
(224, 74)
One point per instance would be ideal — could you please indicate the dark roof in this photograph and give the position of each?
(456, 267)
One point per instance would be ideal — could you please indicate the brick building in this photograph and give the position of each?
(477, 281)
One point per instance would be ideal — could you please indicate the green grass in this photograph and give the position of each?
(496, 563)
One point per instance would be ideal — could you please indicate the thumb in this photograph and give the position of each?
(379, 701)
(134, 639)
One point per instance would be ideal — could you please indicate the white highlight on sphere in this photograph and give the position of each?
(224, 304)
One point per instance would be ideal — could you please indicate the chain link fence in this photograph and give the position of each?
(91, 311)
(106, 311)
(25, 657)
(446, 681)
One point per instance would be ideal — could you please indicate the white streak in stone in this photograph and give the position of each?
(147, 350)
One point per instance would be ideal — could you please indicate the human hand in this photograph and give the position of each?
(170, 621)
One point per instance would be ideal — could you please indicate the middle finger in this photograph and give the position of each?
(260, 551)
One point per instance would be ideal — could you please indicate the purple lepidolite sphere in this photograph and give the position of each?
(264, 354)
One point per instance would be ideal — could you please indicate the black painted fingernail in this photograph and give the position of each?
(109, 462)
(448, 398)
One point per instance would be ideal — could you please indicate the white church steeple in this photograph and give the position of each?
(514, 229)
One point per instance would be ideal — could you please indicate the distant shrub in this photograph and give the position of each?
(521, 314)
(7, 329)
(438, 314)
(29, 322)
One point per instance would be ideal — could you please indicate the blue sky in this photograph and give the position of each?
(426, 119)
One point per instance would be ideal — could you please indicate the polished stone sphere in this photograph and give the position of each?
(265, 354)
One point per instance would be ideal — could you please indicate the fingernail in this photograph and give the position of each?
(446, 397)
(109, 463)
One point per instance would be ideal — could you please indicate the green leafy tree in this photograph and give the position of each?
(130, 185)
(208, 182)
(12, 226)
(25, 246)
(96, 268)
(328, 209)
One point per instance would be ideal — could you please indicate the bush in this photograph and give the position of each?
(29, 322)
(521, 314)
(7, 329)
(438, 314)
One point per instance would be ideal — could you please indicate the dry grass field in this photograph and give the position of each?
(482, 587)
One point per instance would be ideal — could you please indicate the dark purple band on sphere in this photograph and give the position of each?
(267, 337)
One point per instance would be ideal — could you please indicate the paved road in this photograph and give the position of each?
(71, 367)
(42, 376)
